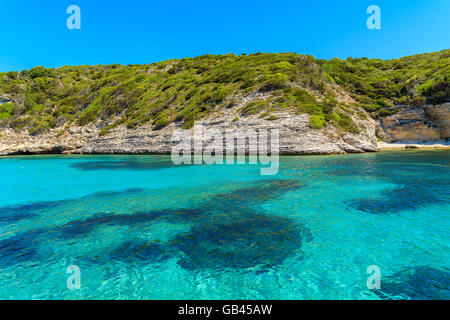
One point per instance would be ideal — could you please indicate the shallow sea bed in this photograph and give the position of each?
(140, 227)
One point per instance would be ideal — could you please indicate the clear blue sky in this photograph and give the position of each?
(136, 31)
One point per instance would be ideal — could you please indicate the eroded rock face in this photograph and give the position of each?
(440, 115)
(430, 123)
(296, 137)
(55, 141)
(295, 134)
(411, 124)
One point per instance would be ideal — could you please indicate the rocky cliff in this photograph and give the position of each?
(295, 134)
(414, 125)
(428, 123)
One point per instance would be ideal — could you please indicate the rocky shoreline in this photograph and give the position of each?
(296, 135)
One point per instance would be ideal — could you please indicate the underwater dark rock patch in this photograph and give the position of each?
(231, 202)
(377, 206)
(122, 165)
(134, 251)
(248, 241)
(417, 283)
(15, 213)
(355, 168)
(82, 227)
(115, 193)
(79, 228)
(262, 191)
(412, 192)
(20, 248)
(227, 233)
(406, 197)
(146, 251)
(394, 167)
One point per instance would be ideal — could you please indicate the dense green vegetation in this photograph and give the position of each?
(186, 90)
(381, 85)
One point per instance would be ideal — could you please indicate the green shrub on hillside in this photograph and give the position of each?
(275, 82)
(253, 107)
(316, 121)
(346, 123)
(161, 121)
(6, 110)
(37, 72)
(188, 89)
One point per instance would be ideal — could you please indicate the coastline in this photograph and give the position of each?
(382, 146)
(296, 139)
(407, 145)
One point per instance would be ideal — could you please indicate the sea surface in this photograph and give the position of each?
(139, 227)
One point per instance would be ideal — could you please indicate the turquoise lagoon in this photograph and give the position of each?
(139, 227)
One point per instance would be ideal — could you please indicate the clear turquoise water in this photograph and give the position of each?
(140, 228)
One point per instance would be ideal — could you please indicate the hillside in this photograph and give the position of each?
(340, 96)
